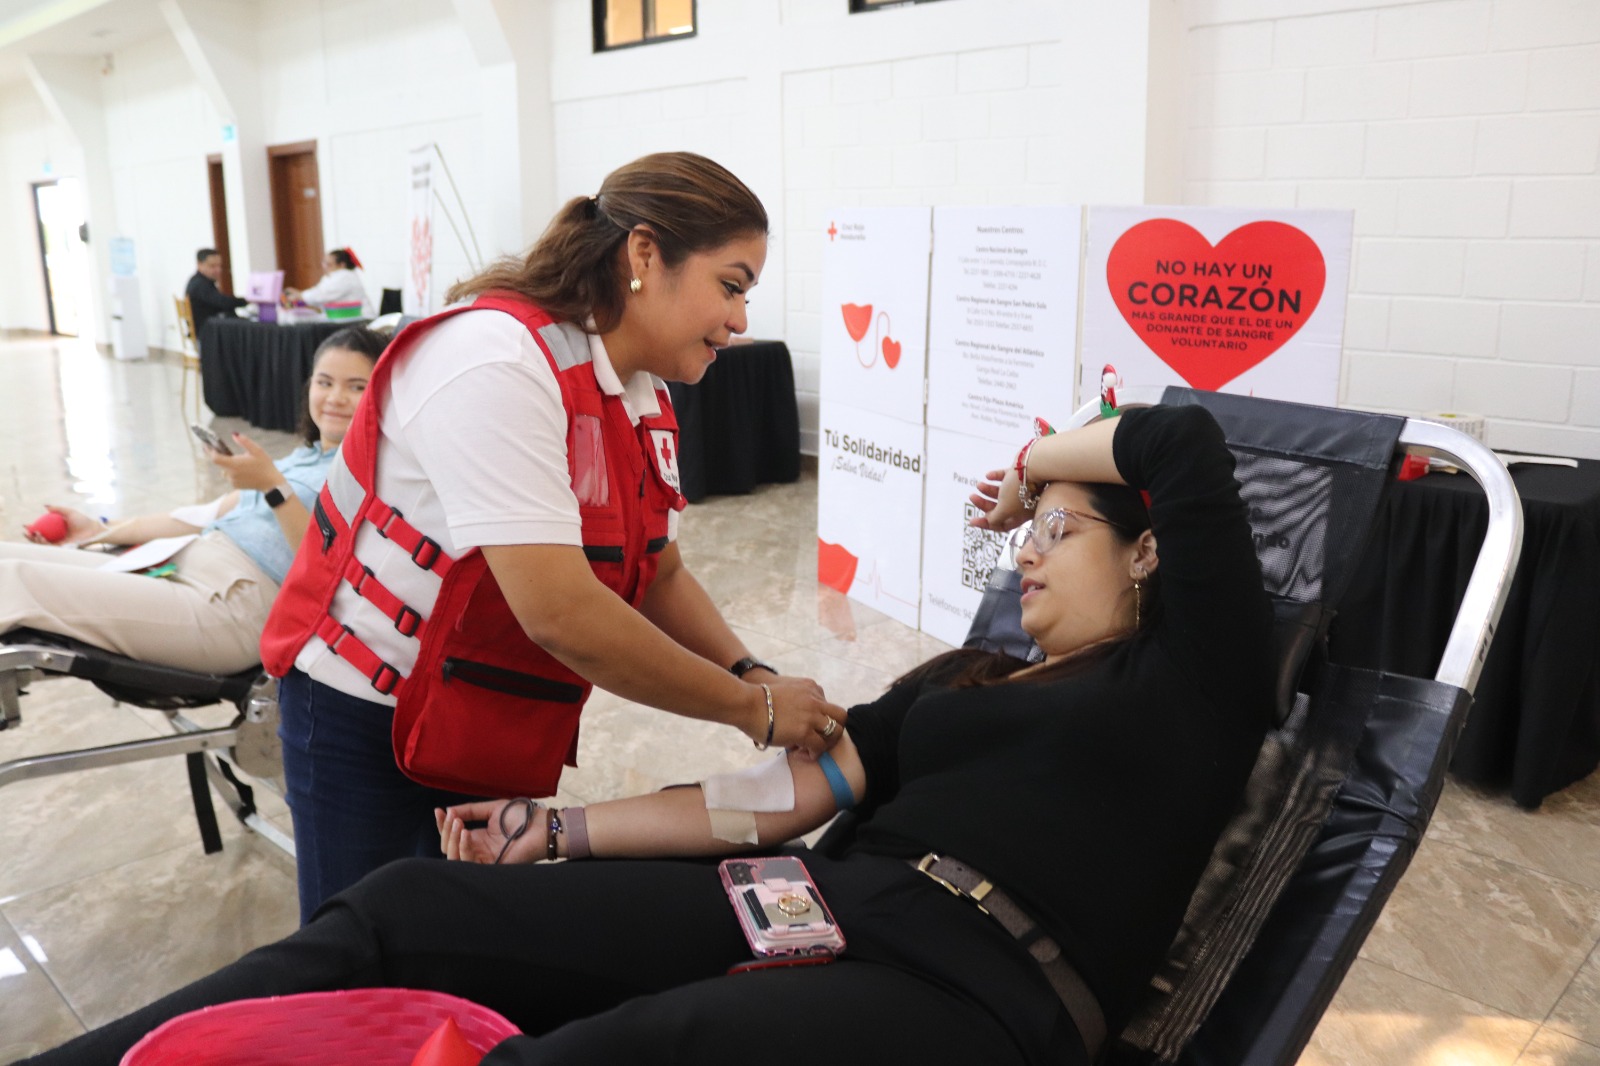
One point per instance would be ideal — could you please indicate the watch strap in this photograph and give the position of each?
(747, 664)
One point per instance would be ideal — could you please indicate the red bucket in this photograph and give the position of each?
(371, 1026)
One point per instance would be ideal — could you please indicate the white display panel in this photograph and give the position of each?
(956, 558)
(875, 309)
(1003, 318)
(869, 508)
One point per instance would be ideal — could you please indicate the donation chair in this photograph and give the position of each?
(1346, 782)
(249, 742)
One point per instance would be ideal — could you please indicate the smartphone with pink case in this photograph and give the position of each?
(780, 909)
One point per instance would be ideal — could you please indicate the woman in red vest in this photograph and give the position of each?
(498, 534)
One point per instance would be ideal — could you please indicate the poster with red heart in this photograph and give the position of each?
(1222, 299)
(875, 309)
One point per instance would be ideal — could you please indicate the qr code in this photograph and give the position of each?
(980, 550)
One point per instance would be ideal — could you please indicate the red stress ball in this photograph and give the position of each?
(51, 526)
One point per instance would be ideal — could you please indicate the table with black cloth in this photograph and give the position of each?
(1535, 722)
(739, 426)
(258, 370)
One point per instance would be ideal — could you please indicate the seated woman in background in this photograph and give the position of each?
(340, 284)
(209, 613)
(1089, 789)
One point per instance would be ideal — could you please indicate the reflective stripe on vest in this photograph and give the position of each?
(345, 491)
(569, 345)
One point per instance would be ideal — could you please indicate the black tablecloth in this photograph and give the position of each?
(258, 370)
(1535, 723)
(740, 425)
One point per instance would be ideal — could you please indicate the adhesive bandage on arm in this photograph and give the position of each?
(732, 800)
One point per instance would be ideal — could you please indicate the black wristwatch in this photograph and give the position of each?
(747, 664)
(275, 497)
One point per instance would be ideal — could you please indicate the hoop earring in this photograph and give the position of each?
(635, 285)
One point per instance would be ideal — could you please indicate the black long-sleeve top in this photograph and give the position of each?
(206, 300)
(1095, 800)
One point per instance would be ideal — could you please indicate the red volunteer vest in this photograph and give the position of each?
(484, 710)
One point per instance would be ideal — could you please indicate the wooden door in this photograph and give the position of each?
(297, 212)
(219, 221)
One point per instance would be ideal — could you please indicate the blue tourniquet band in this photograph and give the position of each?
(843, 798)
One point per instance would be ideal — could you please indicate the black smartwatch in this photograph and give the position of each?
(275, 497)
(747, 664)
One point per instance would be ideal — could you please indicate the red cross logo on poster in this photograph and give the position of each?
(666, 449)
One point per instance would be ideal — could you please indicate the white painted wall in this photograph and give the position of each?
(32, 148)
(367, 80)
(160, 128)
(1465, 134)
(966, 101)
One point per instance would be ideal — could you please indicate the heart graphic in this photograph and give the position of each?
(836, 567)
(1213, 312)
(857, 317)
(891, 353)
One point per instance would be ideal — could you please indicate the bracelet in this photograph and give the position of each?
(552, 826)
(1028, 500)
(576, 824)
(771, 720)
(747, 664)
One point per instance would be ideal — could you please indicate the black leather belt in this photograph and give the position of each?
(1075, 995)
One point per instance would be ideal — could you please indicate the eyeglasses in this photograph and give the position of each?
(1049, 529)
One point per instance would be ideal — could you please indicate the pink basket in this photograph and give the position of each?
(370, 1026)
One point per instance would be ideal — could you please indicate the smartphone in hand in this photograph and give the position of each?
(210, 439)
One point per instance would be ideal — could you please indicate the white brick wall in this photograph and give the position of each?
(1465, 135)
(953, 128)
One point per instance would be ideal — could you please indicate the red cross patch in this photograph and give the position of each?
(664, 443)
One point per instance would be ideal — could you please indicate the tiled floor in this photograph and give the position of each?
(1487, 954)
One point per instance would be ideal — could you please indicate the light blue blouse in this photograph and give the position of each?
(252, 525)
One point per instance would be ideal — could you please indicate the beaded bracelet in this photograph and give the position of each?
(552, 827)
(1028, 499)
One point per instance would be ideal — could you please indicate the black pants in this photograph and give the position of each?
(627, 961)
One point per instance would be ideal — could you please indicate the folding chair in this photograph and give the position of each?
(189, 342)
(249, 742)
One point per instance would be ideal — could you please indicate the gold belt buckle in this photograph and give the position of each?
(925, 865)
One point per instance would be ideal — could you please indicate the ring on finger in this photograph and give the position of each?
(828, 729)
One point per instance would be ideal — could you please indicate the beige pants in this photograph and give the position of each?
(208, 616)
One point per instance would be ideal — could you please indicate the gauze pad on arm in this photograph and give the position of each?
(732, 799)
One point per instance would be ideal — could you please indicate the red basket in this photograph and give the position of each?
(371, 1026)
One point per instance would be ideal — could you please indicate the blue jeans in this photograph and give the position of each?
(353, 809)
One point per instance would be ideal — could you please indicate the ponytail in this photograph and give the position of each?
(687, 202)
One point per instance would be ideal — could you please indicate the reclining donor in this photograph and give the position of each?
(207, 615)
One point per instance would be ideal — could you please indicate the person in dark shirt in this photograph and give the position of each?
(205, 299)
(1090, 788)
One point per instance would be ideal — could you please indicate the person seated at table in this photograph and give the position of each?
(206, 301)
(340, 284)
(1089, 789)
(208, 614)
